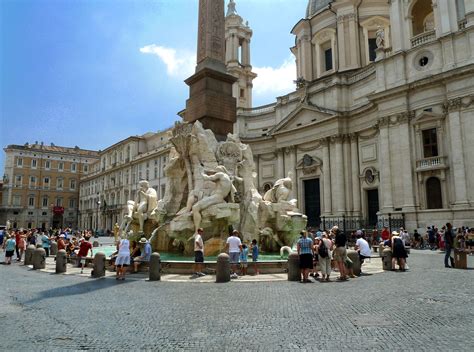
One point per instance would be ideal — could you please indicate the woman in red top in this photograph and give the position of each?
(84, 248)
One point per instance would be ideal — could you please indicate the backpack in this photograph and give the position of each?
(323, 250)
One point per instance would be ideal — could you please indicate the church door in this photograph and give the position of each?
(312, 202)
(372, 206)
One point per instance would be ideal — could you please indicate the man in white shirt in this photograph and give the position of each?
(198, 253)
(362, 246)
(234, 247)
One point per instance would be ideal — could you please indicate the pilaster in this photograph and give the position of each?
(384, 166)
(326, 179)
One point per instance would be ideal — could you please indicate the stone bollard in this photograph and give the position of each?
(29, 254)
(294, 271)
(38, 245)
(387, 259)
(53, 250)
(95, 244)
(381, 248)
(354, 256)
(39, 258)
(99, 265)
(223, 268)
(155, 267)
(61, 261)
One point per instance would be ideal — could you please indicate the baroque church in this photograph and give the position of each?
(379, 124)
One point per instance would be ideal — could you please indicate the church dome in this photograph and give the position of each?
(315, 5)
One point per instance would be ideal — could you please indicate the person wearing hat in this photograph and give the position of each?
(61, 243)
(399, 252)
(145, 257)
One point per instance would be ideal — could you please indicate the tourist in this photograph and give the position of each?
(305, 251)
(21, 245)
(362, 247)
(123, 259)
(431, 237)
(255, 254)
(404, 236)
(61, 242)
(84, 247)
(325, 257)
(399, 253)
(234, 247)
(145, 257)
(340, 253)
(45, 243)
(9, 247)
(470, 241)
(316, 243)
(385, 234)
(198, 253)
(375, 237)
(448, 242)
(135, 252)
(417, 238)
(244, 260)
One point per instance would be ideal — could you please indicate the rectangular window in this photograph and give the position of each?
(45, 202)
(31, 201)
(33, 163)
(46, 183)
(59, 202)
(73, 167)
(372, 46)
(86, 168)
(242, 93)
(59, 183)
(17, 201)
(32, 181)
(430, 143)
(18, 181)
(47, 165)
(72, 203)
(72, 184)
(60, 166)
(19, 162)
(328, 59)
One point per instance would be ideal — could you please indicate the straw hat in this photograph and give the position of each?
(395, 233)
(143, 240)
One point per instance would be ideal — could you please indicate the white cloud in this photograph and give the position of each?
(272, 82)
(179, 63)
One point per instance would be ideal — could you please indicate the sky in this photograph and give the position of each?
(93, 72)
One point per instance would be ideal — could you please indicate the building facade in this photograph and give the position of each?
(41, 185)
(113, 180)
(380, 120)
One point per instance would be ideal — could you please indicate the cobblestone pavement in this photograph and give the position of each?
(426, 308)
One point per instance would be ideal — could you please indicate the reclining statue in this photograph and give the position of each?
(142, 208)
(280, 191)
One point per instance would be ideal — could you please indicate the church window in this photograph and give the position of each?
(430, 143)
(242, 93)
(372, 46)
(434, 198)
(328, 59)
(422, 17)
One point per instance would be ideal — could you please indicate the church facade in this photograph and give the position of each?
(380, 122)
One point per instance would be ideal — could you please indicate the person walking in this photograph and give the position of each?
(254, 249)
(123, 259)
(448, 243)
(9, 247)
(198, 253)
(84, 247)
(234, 247)
(45, 243)
(305, 251)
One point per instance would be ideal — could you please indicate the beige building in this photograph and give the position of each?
(41, 185)
(380, 121)
(103, 193)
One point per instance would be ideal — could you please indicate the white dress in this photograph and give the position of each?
(123, 257)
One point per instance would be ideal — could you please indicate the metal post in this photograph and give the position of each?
(344, 223)
(324, 223)
(390, 222)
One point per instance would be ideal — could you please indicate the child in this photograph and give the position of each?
(254, 248)
(244, 259)
(10, 246)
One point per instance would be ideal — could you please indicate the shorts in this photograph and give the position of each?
(198, 257)
(340, 254)
(9, 254)
(306, 261)
(234, 257)
(243, 264)
(122, 260)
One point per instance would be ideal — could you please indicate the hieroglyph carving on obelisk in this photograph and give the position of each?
(211, 33)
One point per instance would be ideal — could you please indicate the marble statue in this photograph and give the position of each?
(142, 208)
(281, 190)
(8, 225)
(380, 38)
(116, 231)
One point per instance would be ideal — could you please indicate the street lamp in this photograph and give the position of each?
(97, 220)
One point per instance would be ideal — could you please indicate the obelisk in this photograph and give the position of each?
(210, 88)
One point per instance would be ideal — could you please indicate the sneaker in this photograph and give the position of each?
(201, 274)
(234, 276)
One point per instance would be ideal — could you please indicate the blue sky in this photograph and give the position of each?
(92, 72)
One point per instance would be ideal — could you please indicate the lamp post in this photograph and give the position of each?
(97, 220)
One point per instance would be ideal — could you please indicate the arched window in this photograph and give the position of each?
(434, 198)
(267, 187)
(422, 17)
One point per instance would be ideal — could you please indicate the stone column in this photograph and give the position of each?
(245, 53)
(235, 48)
(384, 166)
(469, 10)
(355, 174)
(307, 58)
(280, 164)
(294, 273)
(341, 42)
(458, 166)
(353, 41)
(99, 265)
(223, 268)
(339, 189)
(155, 267)
(61, 261)
(407, 174)
(346, 148)
(326, 179)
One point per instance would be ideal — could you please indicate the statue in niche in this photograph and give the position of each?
(380, 38)
(280, 191)
(223, 189)
(142, 208)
